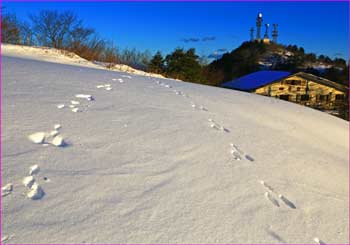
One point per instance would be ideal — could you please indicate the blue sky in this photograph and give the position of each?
(319, 27)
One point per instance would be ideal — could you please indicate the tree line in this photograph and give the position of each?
(66, 31)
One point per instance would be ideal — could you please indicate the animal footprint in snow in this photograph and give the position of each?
(235, 152)
(202, 108)
(217, 126)
(223, 129)
(177, 92)
(235, 148)
(249, 158)
(6, 238)
(37, 138)
(58, 141)
(34, 169)
(53, 133)
(287, 202)
(84, 96)
(271, 199)
(241, 153)
(214, 125)
(235, 155)
(268, 187)
(199, 107)
(6, 190)
(316, 239)
(36, 192)
(75, 110)
(28, 181)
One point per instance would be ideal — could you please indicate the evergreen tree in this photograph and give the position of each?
(156, 65)
(184, 65)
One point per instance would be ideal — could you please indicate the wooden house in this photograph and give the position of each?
(302, 88)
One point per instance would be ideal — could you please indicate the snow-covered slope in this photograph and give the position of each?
(65, 57)
(161, 161)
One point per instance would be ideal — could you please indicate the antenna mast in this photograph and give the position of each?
(252, 34)
(275, 33)
(259, 21)
(266, 35)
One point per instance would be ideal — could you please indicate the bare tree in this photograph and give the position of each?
(110, 54)
(79, 36)
(52, 28)
(135, 59)
(10, 29)
(26, 34)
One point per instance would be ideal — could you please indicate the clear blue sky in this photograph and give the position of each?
(319, 27)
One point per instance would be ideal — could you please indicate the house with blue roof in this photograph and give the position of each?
(302, 88)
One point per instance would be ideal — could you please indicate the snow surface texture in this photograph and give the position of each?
(163, 161)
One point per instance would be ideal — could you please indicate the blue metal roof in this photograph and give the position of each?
(256, 80)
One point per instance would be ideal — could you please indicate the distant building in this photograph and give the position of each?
(302, 88)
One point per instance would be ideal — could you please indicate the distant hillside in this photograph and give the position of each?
(255, 56)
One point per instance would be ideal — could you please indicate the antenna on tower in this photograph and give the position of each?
(252, 34)
(259, 21)
(266, 35)
(275, 33)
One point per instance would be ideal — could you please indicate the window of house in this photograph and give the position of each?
(304, 97)
(298, 98)
(339, 97)
(284, 97)
(295, 82)
(323, 97)
(281, 88)
(298, 88)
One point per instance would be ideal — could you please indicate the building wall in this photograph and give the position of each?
(301, 91)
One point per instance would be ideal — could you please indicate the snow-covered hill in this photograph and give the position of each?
(65, 57)
(150, 160)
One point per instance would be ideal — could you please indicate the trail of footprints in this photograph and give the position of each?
(77, 102)
(52, 137)
(238, 155)
(36, 192)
